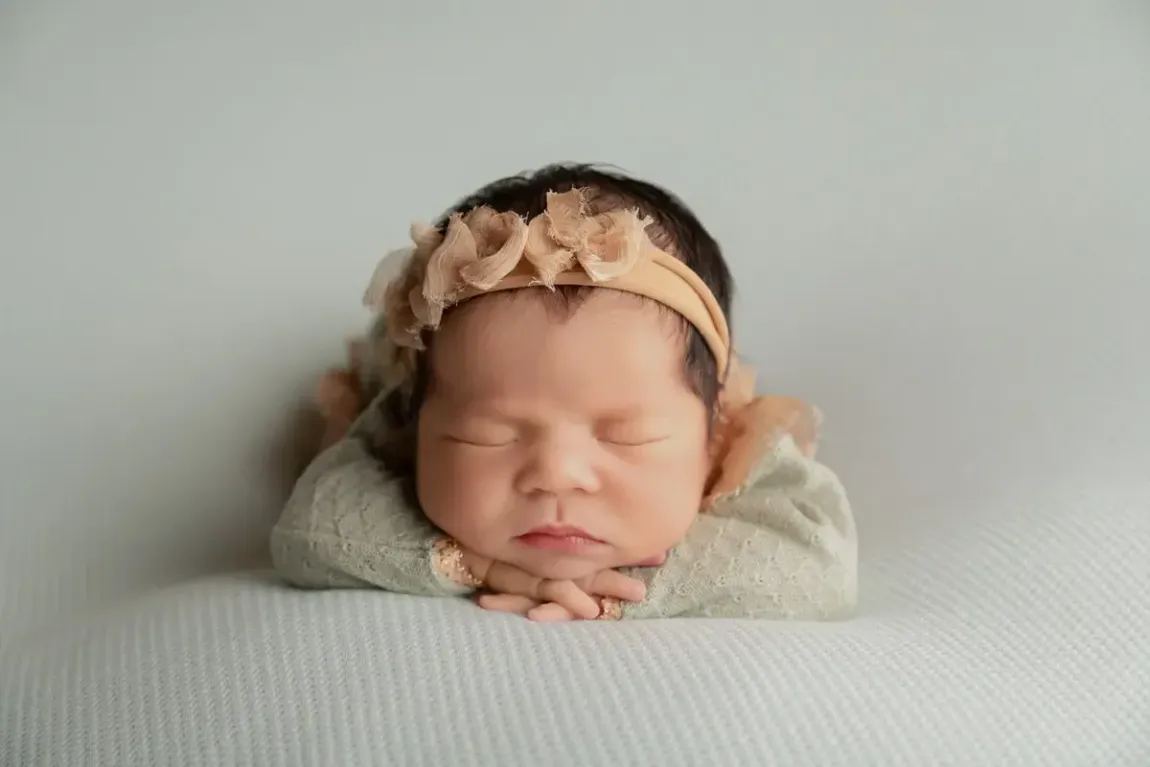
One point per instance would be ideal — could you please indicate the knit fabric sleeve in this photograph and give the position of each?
(347, 524)
(784, 546)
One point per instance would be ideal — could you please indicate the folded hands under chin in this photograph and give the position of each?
(510, 589)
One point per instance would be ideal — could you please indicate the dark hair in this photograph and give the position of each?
(674, 229)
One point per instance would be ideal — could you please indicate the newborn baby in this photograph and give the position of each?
(549, 414)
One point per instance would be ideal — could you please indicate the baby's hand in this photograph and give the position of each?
(540, 599)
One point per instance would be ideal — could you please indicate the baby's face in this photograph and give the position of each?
(563, 445)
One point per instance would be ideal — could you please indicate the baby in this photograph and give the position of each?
(549, 414)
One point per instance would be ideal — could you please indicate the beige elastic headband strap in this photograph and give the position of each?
(660, 277)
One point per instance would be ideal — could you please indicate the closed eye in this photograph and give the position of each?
(633, 431)
(633, 441)
(486, 442)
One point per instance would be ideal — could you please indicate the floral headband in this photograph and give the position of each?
(484, 251)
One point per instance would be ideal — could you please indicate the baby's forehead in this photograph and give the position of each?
(605, 345)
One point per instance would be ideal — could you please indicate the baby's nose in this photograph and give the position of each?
(558, 467)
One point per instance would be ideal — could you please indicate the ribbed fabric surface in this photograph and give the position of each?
(1020, 639)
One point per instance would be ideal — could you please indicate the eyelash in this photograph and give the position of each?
(473, 443)
(639, 443)
(614, 442)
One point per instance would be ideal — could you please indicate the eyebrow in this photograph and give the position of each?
(454, 399)
(629, 412)
(493, 409)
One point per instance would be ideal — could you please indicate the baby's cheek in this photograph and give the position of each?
(460, 501)
(662, 509)
(672, 497)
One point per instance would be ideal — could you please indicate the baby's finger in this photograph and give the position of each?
(568, 594)
(612, 583)
(551, 612)
(503, 578)
(507, 603)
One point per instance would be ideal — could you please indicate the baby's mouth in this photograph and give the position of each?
(559, 538)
